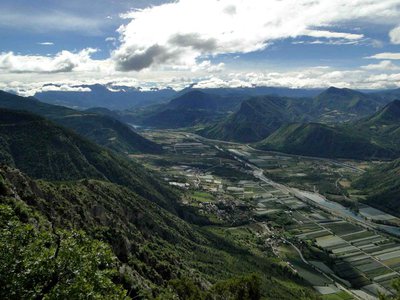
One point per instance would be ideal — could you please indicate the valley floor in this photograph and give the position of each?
(300, 210)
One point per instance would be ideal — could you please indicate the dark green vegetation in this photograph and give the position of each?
(256, 119)
(259, 117)
(241, 288)
(313, 139)
(396, 287)
(270, 122)
(190, 109)
(382, 128)
(337, 105)
(40, 262)
(115, 201)
(44, 150)
(110, 133)
(153, 246)
(100, 128)
(382, 183)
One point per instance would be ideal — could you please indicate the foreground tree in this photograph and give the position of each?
(53, 264)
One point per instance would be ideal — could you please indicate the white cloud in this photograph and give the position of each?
(385, 65)
(308, 78)
(316, 77)
(64, 61)
(183, 32)
(385, 55)
(50, 21)
(209, 67)
(376, 43)
(63, 88)
(336, 35)
(394, 35)
(46, 43)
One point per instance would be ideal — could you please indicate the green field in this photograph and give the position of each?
(338, 296)
(203, 196)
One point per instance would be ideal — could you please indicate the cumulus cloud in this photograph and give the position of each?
(394, 35)
(30, 89)
(181, 33)
(209, 67)
(64, 61)
(63, 88)
(385, 55)
(308, 78)
(316, 77)
(386, 65)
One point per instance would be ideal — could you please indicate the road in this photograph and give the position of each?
(340, 286)
(332, 161)
(306, 197)
(331, 207)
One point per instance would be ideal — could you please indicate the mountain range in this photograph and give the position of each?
(125, 97)
(190, 109)
(102, 129)
(336, 105)
(259, 117)
(73, 184)
(97, 95)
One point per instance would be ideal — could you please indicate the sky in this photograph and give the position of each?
(62, 45)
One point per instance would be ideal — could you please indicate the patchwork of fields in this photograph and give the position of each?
(339, 256)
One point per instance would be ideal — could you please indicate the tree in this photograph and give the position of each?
(396, 296)
(238, 288)
(55, 264)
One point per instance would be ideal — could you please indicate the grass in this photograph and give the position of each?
(338, 296)
(305, 271)
(358, 235)
(392, 261)
(203, 196)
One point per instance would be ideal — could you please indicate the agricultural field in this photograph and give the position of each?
(341, 258)
(328, 177)
(365, 259)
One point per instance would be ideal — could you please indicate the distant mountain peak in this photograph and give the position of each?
(193, 93)
(332, 89)
(195, 99)
(339, 91)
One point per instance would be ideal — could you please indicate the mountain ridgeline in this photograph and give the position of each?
(256, 119)
(314, 139)
(382, 128)
(336, 105)
(98, 127)
(111, 97)
(44, 150)
(259, 117)
(190, 109)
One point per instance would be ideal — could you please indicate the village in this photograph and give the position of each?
(342, 257)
